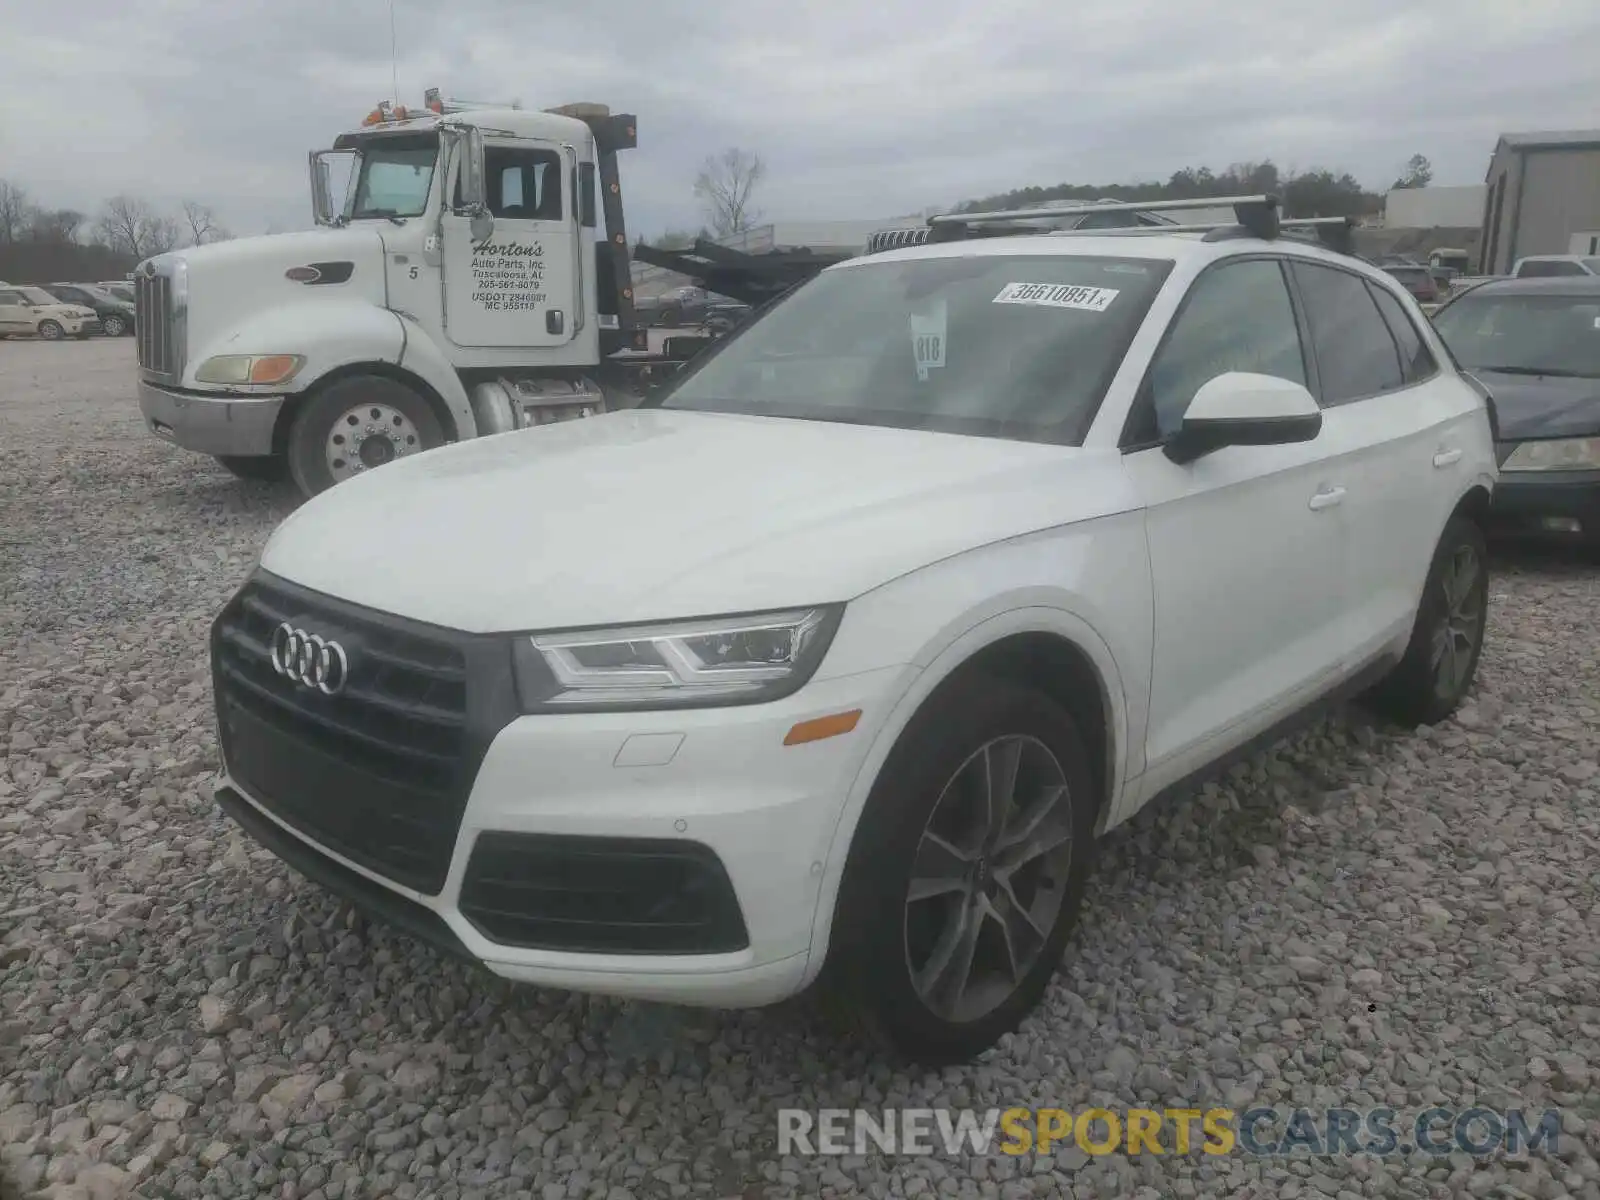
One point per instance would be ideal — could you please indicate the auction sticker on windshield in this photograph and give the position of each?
(1058, 295)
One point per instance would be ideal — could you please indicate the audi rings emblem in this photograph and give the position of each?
(309, 659)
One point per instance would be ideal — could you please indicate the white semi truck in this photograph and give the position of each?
(472, 278)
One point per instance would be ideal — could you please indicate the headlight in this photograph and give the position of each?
(249, 368)
(1563, 454)
(720, 660)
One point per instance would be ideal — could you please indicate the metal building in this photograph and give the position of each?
(1543, 197)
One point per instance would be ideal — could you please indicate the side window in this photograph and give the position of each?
(1356, 354)
(10, 298)
(1237, 317)
(1548, 268)
(1416, 360)
(523, 185)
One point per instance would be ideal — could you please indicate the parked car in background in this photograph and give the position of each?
(1416, 279)
(1551, 266)
(680, 306)
(1535, 344)
(116, 316)
(120, 289)
(34, 312)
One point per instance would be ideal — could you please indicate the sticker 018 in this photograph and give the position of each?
(1058, 295)
(927, 339)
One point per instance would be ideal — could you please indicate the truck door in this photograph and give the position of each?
(520, 287)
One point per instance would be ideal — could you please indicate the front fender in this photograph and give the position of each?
(329, 332)
(957, 649)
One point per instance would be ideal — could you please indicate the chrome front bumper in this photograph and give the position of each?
(218, 425)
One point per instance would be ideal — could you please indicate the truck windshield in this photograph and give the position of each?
(1009, 346)
(396, 176)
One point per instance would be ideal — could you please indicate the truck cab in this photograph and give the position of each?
(468, 274)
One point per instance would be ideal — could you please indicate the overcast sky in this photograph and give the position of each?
(862, 110)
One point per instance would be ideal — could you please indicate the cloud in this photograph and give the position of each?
(860, 110)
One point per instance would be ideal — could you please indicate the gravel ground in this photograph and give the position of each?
(1359, 917)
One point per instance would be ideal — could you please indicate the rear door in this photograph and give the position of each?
(13, 313)
(1409, 424)
(521, 286)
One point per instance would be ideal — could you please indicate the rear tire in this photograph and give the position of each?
(262, 468)
(50, 331)
(114, 326)
(669, 318)
(354, 425)
(1441, 660)
(922, 875)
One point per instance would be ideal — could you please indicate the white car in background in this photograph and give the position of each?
(831, 664)
(31, 311)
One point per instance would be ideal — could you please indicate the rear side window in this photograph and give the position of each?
(1416, 360)
(1548, 269)
(1356, 355)
(1237, 317)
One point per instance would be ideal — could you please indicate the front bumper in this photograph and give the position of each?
(713, 790)
(218, 425)
(1562, 506)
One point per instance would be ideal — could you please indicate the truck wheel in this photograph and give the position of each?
(965, 874)
(265, 468)
(114, 326)
(355, 424)
(1442, 657)
(50, 331)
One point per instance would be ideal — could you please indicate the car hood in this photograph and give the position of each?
(657, 514)
(1546, 406)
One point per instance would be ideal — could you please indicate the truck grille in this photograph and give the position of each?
(378, 772)
(156, 327)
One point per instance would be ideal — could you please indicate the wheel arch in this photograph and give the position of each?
(1053, 650)
(1474, 504)
(293, 404)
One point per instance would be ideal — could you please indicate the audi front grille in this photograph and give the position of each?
(376, 764)
(155, 326)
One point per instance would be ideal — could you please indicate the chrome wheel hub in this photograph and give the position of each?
(368, 436)
(989, 876)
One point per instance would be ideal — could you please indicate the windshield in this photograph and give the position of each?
(396, 176)
(1593, 264)
(1546, 335)
(996, 345)
(35, 295)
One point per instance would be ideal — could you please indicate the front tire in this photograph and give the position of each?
(354, 425)
(50, 331)
(272, 468)
(966, 873)
(1441, 660)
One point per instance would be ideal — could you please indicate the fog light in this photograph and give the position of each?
(1561, 524)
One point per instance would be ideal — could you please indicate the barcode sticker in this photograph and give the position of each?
(1058, 295)
(927, 340)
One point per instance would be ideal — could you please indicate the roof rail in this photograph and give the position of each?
(1254, 217)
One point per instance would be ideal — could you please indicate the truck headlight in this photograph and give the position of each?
(1558, 454)
(720, 660)
(249, 368)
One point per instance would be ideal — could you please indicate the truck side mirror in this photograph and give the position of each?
(471, 198)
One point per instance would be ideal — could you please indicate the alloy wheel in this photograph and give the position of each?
(1456, 637)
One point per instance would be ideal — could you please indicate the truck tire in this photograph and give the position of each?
(264, 468)
(355, 424)
(932, 872)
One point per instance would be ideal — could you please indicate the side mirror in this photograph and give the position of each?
(1239, 408)
(471, 191)
(321, 205)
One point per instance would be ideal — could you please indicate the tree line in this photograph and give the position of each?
(41, 244)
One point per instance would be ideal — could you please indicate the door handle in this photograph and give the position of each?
(1446, 457)
(1327, 498)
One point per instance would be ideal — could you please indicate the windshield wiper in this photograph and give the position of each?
(387, 213)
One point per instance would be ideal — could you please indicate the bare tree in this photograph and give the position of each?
(203, 225)
(724, 187)
(132, 227)
(16, 213)
(56, 225)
